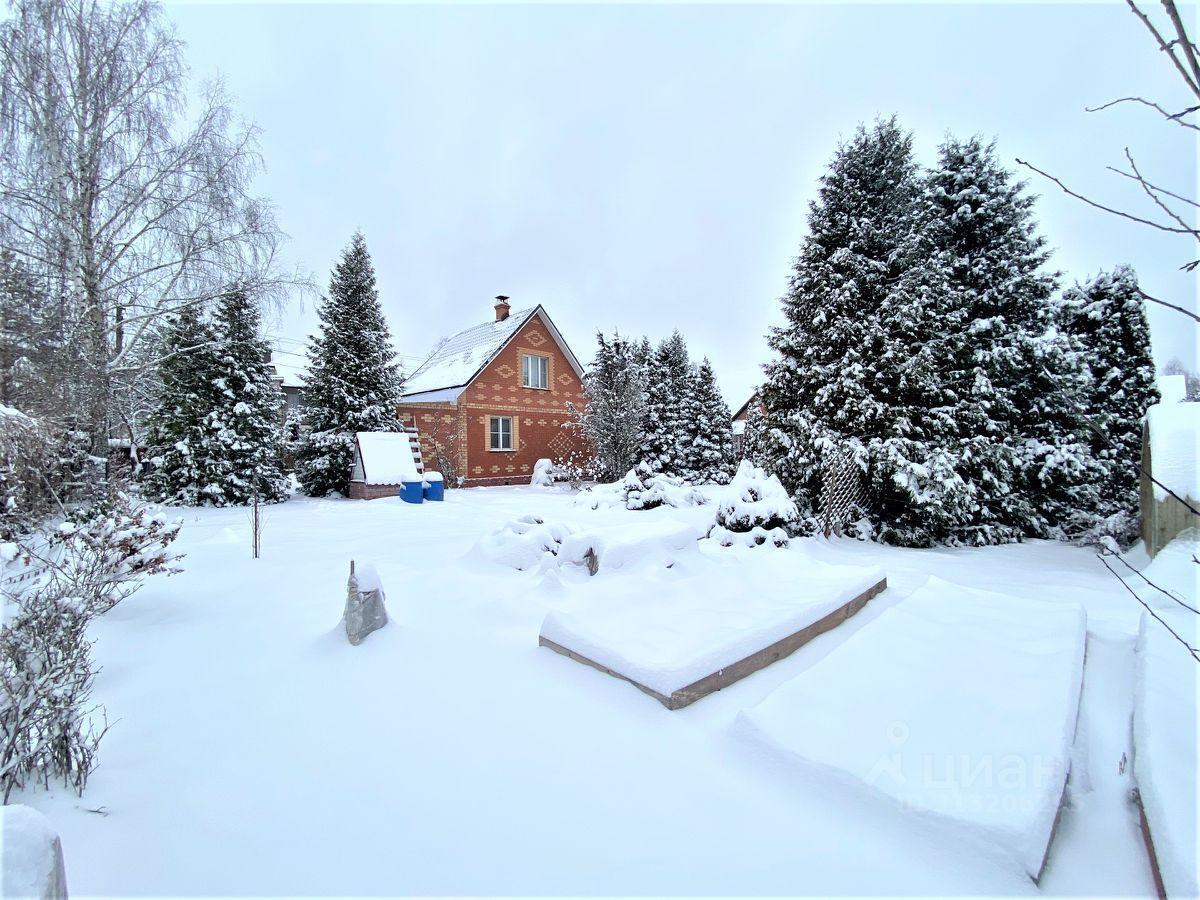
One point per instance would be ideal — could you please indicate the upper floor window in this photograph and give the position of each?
(535, 371)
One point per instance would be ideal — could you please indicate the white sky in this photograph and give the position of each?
(650, 167)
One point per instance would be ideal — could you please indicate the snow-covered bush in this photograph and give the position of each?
(100, 555)
(39, 466)
(755, 510)
(96, 557)
(523, 543)
(543, 473)
(61, 578)
(46, 677)
(640, 489)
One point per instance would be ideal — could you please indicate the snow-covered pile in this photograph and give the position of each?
(956, 702)
(1165, 726)
(543, 473)
(31, 859)
(616, 546)
(754, 510)
(1175, 448)
(524, 543)
(679, 632)
(640, 489)
(531, 542)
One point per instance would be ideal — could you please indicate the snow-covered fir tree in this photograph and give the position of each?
(616, 390)
(1014, 387)
(245, 419)
(708, 429)
(353, 381)
(664, 430)
(753, 433)
(822, 394)
(185, 469)
(1107, 319)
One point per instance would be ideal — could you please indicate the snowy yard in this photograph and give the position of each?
(254, 751)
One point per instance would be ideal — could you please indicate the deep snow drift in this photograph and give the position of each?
(254, 751)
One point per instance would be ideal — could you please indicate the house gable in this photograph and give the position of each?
(456, 424)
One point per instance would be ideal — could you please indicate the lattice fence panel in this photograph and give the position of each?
(843, 489)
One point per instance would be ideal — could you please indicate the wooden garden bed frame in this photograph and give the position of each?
(734, 672)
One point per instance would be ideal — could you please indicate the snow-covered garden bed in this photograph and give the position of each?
(955, 702)
(1166, 729)
(704, 632)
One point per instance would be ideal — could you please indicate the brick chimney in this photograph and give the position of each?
(502, 307)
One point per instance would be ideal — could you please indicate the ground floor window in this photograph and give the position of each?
(501, 433)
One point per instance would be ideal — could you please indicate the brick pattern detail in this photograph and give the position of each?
(537, 414)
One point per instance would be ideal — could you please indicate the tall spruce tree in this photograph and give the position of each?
(1107, 319)
(353, 381)
(246, 417)
(1014, 387)
(825, 390)
(185, 468)
(616, 390)
(664, 431)
(708, 429)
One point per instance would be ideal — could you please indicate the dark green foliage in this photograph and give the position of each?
(353, 382)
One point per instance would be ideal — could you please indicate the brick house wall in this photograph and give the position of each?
(462, 427)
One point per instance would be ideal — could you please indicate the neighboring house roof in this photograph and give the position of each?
(385, 457)
(744, 409)
(1172, 388)
(459, 359)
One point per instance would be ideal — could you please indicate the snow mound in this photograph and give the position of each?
(955, 703)
(617, 546)
(543, 473)
(523, 543)
(640, 489)
(678, 633)
(31, 857)
(1165, 725)
(1175, 448)
(754, 511)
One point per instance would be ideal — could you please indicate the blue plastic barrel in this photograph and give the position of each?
(435, 489)
(411, 492)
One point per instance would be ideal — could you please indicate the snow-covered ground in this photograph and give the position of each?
(254, 751)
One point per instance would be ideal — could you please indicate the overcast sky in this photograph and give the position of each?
(650, 167)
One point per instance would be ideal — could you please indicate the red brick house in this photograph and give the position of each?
(491, 401)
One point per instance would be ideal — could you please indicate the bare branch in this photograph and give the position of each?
(1171, 117)
(1108, 209)
(1180, 309)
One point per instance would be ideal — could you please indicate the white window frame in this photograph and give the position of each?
(494, 433)
(528, 370)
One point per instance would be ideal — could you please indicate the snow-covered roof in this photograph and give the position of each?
(445, 395)
(1175, 448)
(458, 359)
(289, 362)
(386, 457)
(1172, 388)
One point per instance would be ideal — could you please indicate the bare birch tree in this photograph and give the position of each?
(1167, 211)
(123, 201)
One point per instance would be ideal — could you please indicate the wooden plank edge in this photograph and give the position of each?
(1062, 797)
(1148, 840)
(785, 647)
(735, 672)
